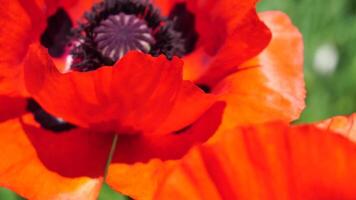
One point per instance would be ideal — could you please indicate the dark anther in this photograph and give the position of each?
(205, 88)
(184, 23)
(56, 35)
(114, 27)
(46, 120)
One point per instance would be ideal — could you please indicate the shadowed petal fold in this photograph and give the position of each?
(42, 165)
(11, 107)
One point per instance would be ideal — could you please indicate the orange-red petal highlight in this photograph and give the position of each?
(271, 86)
(270, 161)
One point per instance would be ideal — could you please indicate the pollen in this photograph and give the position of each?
(121, 33)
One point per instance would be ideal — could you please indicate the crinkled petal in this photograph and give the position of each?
(220, 16)
(21, 22)
(271, 161)
(271, 86)
(249, 37)
(140, 162)
(139, 93)
(237, 35)
(344, 125)
(42, 165)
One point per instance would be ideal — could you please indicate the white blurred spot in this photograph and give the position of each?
(326, 59)
(60, 120)
(67, 67)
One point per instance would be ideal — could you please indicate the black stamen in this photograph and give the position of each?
(103, 39)
(46, 120)
(56, 35)
(184, 23)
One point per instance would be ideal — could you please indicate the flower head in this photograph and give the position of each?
(156, 76)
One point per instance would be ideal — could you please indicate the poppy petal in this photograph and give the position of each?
(75, 8)
(140, 162)
(271, 86)
(249, 38)
(138, 93)
(41, 165)
(271, 161)
(343, 125)
(238, 35)
(21, 22)
(12, 85)
(165, 6)
(11, 107)
(220, 16)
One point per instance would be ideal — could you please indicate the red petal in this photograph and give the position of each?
(166, 6)
(270, 87)
(140, 179)
(230, 30)
(11, 107)
(21, 22)
(270, 161)
(220, 16)
(139, 93)
(248, 38)
(75, 8)
(13, 85)
(343, 125)
(41, 165)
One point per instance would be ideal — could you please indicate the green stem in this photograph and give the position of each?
(111, 154)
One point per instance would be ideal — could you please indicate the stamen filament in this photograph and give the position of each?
(111, 154)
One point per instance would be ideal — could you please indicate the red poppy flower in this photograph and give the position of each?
(143, 100)
(271, 161)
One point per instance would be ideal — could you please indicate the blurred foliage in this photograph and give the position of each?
(108, 194)
(8, 195)
(321, 22)
(325, 22)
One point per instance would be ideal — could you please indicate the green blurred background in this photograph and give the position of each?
(329, 30)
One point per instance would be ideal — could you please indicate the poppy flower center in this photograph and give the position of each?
(107, 32)
(118, 34)
(112, 28)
